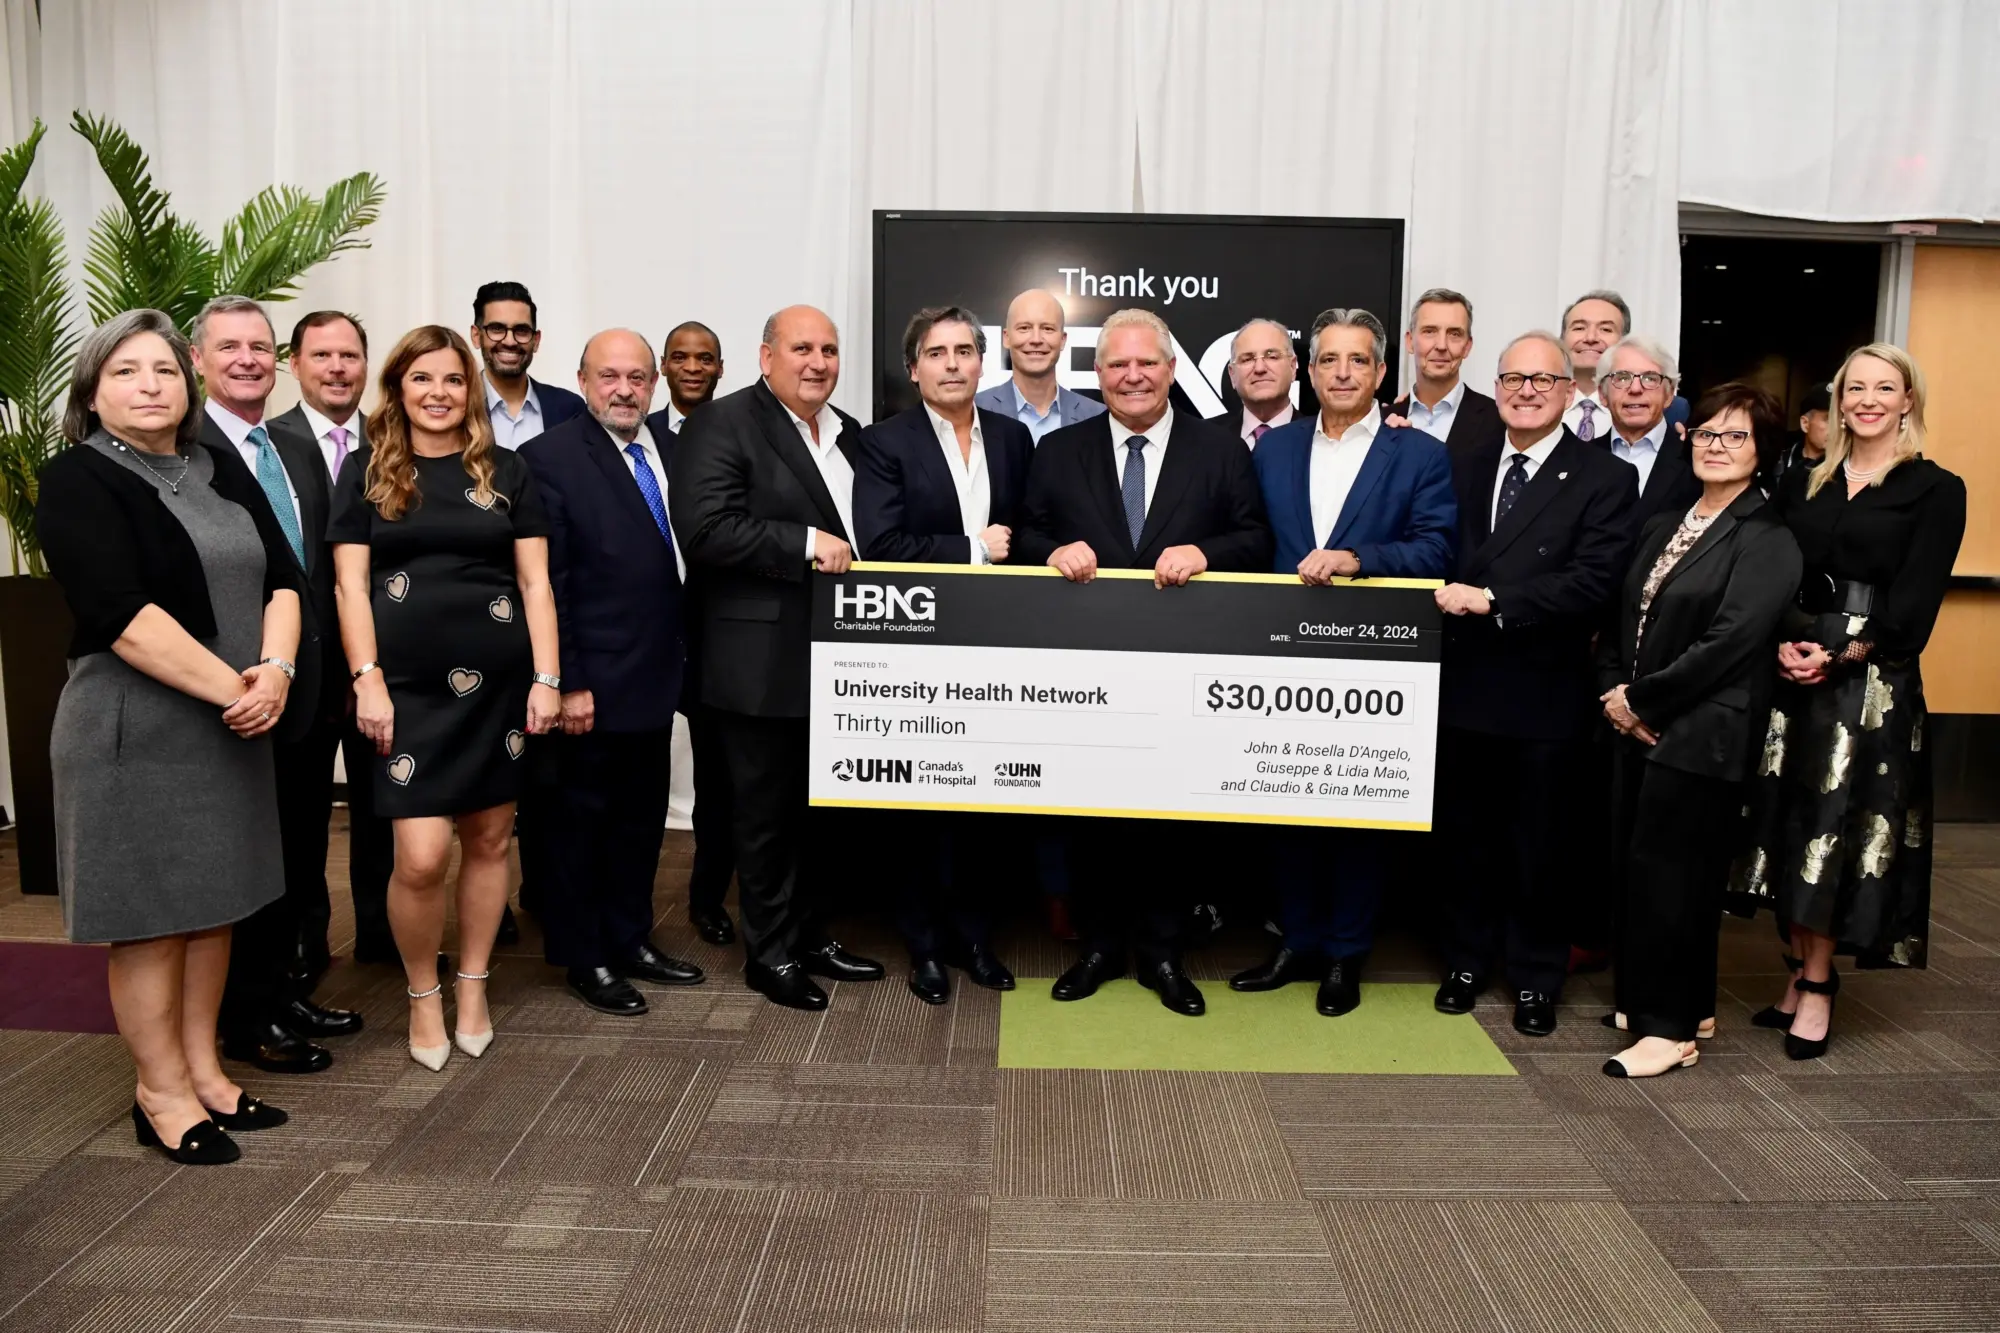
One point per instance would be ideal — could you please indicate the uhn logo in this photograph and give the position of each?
(872, 770)
(869, 601)
(1017, 770)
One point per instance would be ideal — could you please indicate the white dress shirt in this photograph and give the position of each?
(834, 469)
(1538, 454)
(675, 418)
(1247, 428)
(1600, 414)
(238, 430)
(1334, 465)
(1436, 421)
(969, 479)
(1150, 453)
(652, 452)
(1643, 452)
(322, 425)
(511, 432)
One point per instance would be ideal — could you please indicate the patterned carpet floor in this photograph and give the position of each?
(724, 1166)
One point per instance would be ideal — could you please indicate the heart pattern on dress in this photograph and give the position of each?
(463, 681)
(473, 496)
(516, 743)
(501, 608)
(397, 586)
(400, 770)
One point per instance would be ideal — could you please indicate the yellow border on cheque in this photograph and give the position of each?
(1401, 825)
(1043, 571)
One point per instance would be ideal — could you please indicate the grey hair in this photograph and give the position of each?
(1540, 336)
(80, 419)
(1248, 324)
(1135, 318)
(583, 357)
(770, 337)
(1442, 296)
(1346, 317)
(921, 324)
(1609, 297)
(1649, 349)
(229, 305)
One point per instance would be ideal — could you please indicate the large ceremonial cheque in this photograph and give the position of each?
(1242, 697)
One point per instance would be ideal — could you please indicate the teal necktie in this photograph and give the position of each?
(271, 476)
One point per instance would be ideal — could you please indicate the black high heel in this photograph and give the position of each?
(1798, 1048)
(249, 1114)
(1771, 1016)
(204, 1144)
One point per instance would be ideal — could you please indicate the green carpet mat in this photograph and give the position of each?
(1123, 1026)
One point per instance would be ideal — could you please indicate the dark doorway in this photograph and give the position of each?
(1779, 313)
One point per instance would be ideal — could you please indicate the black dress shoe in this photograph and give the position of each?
(368, 949)
(712, 924)
(305, 1019)
(1534, 1014)
(1082, 978)
(1799, 1048)
(929, 981)
(203, 1145)
(1457, 994)
(1280, 969)
(275, 1050)
(1176, 991)
(834, 963)
(649, 964)
(786, 984)
(986, 970)
(606, 991)
(249, 1114)
(510, 929)
(1340, 992)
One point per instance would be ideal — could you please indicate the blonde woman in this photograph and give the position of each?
(1844, 851)
(441, 557)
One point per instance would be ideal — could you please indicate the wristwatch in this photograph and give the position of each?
(544, 678)
(282, 665)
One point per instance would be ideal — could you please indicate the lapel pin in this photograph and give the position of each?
(1562, 476)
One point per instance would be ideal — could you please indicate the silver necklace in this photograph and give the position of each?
(172, 483)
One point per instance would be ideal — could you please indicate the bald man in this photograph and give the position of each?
(763, 495)
(1037, 343)
(617, 572)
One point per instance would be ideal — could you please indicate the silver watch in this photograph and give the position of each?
(544, 678)
(282, 665)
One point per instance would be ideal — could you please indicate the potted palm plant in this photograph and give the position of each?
(138, 253)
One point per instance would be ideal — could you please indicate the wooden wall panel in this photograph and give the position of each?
(1962, 662)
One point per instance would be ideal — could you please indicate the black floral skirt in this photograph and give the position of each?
(1841, 814)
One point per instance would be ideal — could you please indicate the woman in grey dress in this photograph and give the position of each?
(187, 617)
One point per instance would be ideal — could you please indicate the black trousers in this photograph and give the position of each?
(1507, 816)
(767, 783)
(371, 843)
(1130, 887)
(1677, 834)
(714, 814)
(942, 904)
(607, 819)
(1596, 887)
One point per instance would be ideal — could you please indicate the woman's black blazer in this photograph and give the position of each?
(1702, 677)
(114, 547)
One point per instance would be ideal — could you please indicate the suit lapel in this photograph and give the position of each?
(997, 464)
(1719, 528)
(605, 453)
(1541, 488)
(292, 437)
(1100, 474)
(930, 457)
(783, 437)
(1177, 468)
(1380, 452)
(1300, 464)
(1670, 461)
(1475, 494)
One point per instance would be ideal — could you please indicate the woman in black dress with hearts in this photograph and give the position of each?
(449, 626)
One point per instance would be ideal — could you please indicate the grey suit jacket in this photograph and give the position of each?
(1073, 405)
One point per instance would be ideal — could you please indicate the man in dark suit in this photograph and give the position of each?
(1136, 489)
(1543, 538)
(268, 1017)
(1264, 371)
(1638, 385)
(1037, 344)
(763, 488)
(1348, 497)
(1441, 403)
(615, 569)
(942, 484)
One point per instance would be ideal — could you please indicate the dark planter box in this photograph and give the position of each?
(35, 629)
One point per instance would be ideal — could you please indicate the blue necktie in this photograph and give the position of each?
(271, 476)
(1133, 486)
(649, 487)
(1512, 485)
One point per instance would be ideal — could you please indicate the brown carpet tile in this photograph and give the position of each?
(724, 1166)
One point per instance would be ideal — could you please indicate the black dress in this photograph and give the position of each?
(1843, 794)
(450, 633)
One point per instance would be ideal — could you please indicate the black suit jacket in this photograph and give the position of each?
(1553, 563)
(744, 490)
(1476, 423)
(617, 587)
(1702, 675)
(1670, 487)
(905, 502)
(1207, 496)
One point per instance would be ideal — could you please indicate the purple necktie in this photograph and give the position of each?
(1586, 429)
(1258, 431)
(339, 437)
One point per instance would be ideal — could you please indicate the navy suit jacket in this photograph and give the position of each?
(617, 588)
(558, 405)
(1073, 405)
(1401, 515)
(905, 503)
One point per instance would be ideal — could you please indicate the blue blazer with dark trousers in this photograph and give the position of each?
(617, 589)
(905, 502)
(1401, 515)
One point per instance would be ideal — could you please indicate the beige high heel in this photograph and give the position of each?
(474, 1044)
(1702, 1033)
(430, 1057)
(1678, 1055)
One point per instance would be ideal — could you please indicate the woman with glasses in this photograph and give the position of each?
(1687, 675)
(1844, 839)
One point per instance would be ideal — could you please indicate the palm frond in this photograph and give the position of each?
(140, 253)
(283, 232)
(14, 165)
(36, 312)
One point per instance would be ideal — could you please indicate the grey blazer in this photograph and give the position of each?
(1073, 405)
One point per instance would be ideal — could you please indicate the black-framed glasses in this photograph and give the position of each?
(499, 333)
(1543, 382)
(1652, 379)
(1701, 437)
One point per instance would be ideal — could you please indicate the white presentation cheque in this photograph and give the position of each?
(1245, 698)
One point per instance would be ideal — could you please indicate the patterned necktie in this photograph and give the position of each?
(271, 476)
(339, 437)
(1133, 486)
(1258, 432)
(1511, 485)
(649, 487)
(1586, 429)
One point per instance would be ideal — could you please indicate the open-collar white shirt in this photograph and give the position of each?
(834, 469)
(969, 478)
(1334, 465)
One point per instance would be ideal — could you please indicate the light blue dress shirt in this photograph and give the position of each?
(1038, 425)
(1643, 452)
(1436, 421)
(511, 432)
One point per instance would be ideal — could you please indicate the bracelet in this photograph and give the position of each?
(282, 665)
(544, 678)
(364, 669)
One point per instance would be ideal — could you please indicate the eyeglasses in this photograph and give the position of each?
(1652, 379)
(1514, 379)
(1270, 355)
(1731, 440)
(499, 333)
